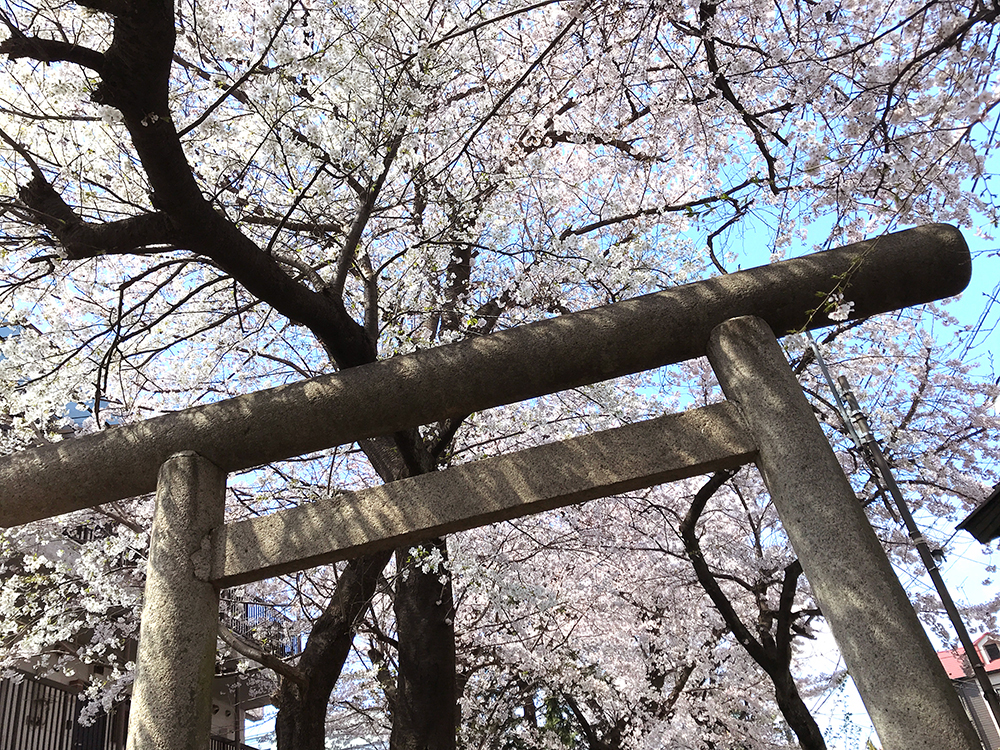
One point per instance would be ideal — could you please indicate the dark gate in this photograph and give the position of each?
(40, 715)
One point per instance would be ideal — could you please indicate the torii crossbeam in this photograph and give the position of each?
(186, 456)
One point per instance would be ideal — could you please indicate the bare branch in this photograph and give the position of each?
(245, 648)
(242, 79)
(80, 239)
(24, 154)
(353, 240)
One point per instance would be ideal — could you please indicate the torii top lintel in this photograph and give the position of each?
(887, 273)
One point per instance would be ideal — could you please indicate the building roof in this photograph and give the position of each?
(984, 522)
(957, 666)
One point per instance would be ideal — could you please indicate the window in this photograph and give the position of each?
(992, 651)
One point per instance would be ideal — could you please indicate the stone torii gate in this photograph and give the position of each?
(187, 455)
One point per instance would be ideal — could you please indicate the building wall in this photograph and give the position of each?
(979, 712)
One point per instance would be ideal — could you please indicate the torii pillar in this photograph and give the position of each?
(175, 666)
(898, 675)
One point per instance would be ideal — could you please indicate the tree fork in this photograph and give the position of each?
(775, 657)
(301, 720)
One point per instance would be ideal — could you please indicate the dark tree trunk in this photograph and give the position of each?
(796, 713)
(301, 720)
(425, 709)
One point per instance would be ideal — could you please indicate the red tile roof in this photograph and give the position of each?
(956, 665)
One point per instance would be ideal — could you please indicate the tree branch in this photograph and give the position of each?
(726, 196)
(783, 637)
(517, 84)
(708, 581)
(291, 209)
(329, 643)
(304, 268)
(243, 79)
(353, 240)
(370, 281)
(772, 659)
(986, 14)
(707, 11)
(245, 648)
(592, 739)
(24, 154)
(80, 239)
(50, 51)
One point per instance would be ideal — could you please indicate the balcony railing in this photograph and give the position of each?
(218, 743)
(261, 623)
(39, 715)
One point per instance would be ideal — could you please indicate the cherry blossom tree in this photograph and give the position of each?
(204, 198)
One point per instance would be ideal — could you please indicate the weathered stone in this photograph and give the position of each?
(887, 273)
(909, 698)
(172, 696)
(474, 494)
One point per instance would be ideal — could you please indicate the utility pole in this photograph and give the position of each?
(867, 442)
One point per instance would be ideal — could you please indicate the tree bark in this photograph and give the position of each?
(795, 711)
(425, 709)
(301, 720)
(134, 76)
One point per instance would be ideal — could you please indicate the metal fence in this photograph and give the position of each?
(36, 715)
(218, 743)
(40, 715)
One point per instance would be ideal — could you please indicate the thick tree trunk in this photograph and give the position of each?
(796, 713)
(301, 720)
(425, 709)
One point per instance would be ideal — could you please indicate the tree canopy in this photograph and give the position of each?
(205, 198)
